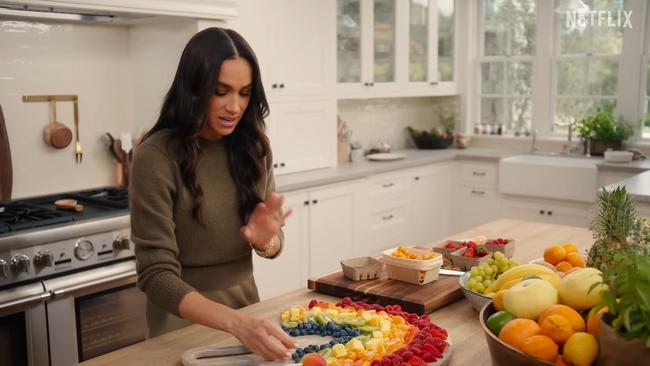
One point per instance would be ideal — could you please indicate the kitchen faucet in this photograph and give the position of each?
(533, 142)
(569, 148)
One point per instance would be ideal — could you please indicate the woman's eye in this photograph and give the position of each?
(245, 93)
(220, 93)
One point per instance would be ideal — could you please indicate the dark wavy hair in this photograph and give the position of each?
(185, 112)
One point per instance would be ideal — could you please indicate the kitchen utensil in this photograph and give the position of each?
(385, 156)
(118, 152)
(111, 141)
(68, 204)
(6, 169)
(78, 154)
(56, 134)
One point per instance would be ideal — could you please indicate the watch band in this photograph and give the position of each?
(268, 248)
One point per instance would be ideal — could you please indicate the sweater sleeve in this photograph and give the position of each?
(152, 190)
(270, 187)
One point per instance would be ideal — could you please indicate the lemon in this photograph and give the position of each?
(581, 349)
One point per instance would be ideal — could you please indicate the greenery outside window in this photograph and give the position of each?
(587, 66)
(446, 22)
(506, 57)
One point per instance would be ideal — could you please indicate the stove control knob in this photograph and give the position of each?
(122, 243)
(20, 264)
(43, 259)
(83, 249)
(4, 269)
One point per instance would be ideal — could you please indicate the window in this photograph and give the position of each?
(507, 49)
(446, 40)
(587, 64)
(645, 131)
(419, 40)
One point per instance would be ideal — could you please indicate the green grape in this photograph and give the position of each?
(478, 278)
(479, 287)
(487, 283)
(472, 282)
(489, 271)
(474, 271)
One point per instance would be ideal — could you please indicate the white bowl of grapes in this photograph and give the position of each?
(476, 283)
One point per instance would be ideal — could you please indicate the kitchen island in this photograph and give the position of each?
(459, 318)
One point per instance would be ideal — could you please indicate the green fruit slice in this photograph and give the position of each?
(497, 320)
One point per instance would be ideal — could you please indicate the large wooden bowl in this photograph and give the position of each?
(501, 353)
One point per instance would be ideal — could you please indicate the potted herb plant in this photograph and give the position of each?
(603, 130)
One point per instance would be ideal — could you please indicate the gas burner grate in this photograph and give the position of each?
(16, 216)
(111, 197)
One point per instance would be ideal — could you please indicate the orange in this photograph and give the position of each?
(497, 300)
(560, 361)
(563, 266)
(581, 349)
(516, 331)
(554, 254)
(576, 260)
(541, 347)
(557, 328)
(577, 323)
(593, 320)
(570, 248)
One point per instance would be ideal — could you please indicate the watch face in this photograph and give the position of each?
(83, 250)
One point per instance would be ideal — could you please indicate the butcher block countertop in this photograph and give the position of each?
(459, 318)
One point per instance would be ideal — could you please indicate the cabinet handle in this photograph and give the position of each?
(550, 213)
(388, 185)
(366, 84)
(417, 178)
(387, 217)
(282, 165)
(306, 203)
(434, 83)
(314, 201)
(478, 192)
(274, 86)
(282, 86)
(541, 212)
(479, 174)
(372, 84)
(275, 165)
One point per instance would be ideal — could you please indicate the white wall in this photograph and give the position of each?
(120, 74)
(372, 120)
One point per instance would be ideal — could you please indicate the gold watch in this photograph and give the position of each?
(268, 248)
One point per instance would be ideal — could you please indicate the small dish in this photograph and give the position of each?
(385, 156)
(618, 156)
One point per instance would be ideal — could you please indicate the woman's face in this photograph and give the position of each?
(230, 100)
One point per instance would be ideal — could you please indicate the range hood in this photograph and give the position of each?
(117, 11)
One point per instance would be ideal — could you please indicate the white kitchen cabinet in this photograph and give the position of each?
(479, 200)
(549, 211)
(294, 41)
(204, 9)
(334, 216)
(302, 135)
(388, 48)
(432, 203)
(288, 271)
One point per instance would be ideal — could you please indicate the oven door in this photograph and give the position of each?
(23, 331)
(94, 312)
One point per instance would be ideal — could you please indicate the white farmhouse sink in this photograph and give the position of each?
(557, 177)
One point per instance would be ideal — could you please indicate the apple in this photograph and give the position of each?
(313, 359)
(529, 298)
(574, 288)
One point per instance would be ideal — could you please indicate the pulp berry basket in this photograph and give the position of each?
(362, 268)
(466, 263)
(415, 271)
(507, 249)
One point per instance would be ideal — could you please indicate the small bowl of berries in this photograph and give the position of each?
(471, 255)
(505, 246)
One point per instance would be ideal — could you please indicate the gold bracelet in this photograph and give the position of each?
(268, 248)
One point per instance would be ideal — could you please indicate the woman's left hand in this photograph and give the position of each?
(266, 221)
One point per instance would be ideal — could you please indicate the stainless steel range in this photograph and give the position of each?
(67, 279)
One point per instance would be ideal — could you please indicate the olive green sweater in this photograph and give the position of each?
(175, 254)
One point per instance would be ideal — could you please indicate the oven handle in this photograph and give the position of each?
(25, 300)
(98, 281)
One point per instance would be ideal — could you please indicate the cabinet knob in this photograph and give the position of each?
(274, 86)
(388, 217)
(366, 84)
(388, 185)
(478, 174)
(282, 86)
(417, 178)
(372, 84)
(550, 213)
(541, 212)
(314, 201)
(474, 191)
(306, 203)
(282, 165)
(275, 165)
(433, 83)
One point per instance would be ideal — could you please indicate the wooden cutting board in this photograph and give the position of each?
(6, 171)
(420, 299)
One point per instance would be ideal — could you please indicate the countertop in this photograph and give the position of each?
(415, 158)
(459, 318)
(638, 187)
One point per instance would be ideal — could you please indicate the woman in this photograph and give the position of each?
(202, 196)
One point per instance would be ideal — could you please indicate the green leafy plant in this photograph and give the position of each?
(627, 296)
(617, 227)
(603, 126)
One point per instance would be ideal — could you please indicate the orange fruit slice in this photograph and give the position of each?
(577, 323)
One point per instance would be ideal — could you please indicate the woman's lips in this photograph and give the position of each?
(227, 121)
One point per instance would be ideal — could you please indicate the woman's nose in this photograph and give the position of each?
(233, 104)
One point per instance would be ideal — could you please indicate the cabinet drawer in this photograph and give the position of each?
(387, 228)
(478, 205)
(388, 186)
(479, 174)
(554, 212)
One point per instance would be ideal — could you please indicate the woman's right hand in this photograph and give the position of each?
(263, 337)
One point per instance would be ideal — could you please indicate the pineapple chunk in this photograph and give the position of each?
(386, 325)
(373, 345)
(354, 345)
(338, 350)
(378, 334)
(375, 321)
(368, 314)
(295, 314)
